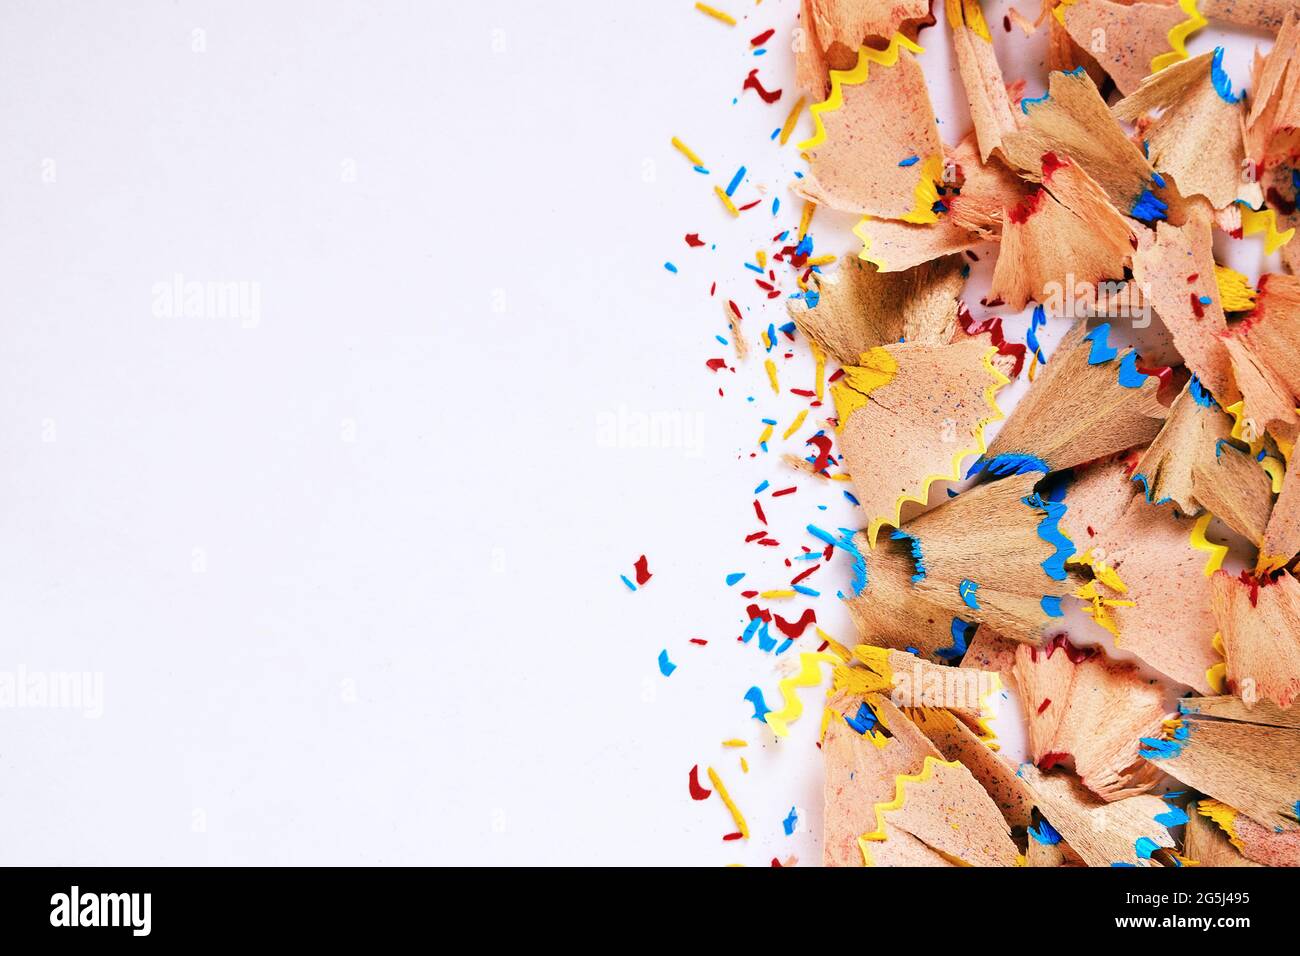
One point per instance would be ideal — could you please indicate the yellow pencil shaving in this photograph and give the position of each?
(969, 14)
(866, 56)
(761, 258)
(794, 425)
(1216, 675)
(1243, 429)
(805, 218)
(821, 260)
(717, 14)
(841, 477)
(922, 496)
(863, 680)
(1223, 815)
(1178, 35)
(876, 368)
(1216, 552)
(1102, 571)
(774, 595)
(735, 742)
(819, 358)
(726, 200)
(790, 120)
(736, 815)
(744, 765)
(1275, 470)
(879, 834)
(766, 339)
(1059, 11)
(1099, 609)
(1265, 221)
(860, 230)
(1268, 563)
(931, 170)
(809, 675)
(771, 376)
(838, 649)
(926, 192)
(1235, 292)
(766, 436)
(687, 152)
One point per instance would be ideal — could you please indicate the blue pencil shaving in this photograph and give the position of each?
(962, 632)
(1008, 463)
(845, 543)
(1146, 488)
(1101, 350)
(1050, 531)
(1129, 374)
(666, 667)
(1145, 846)
(1045, 833)
(1149, 208)
(918, 559)
(735, 181)
(755, 696)
(863, 721)
(1038, 320)
(1200, 394)
(1173, 817)
(1219, 77)
(1155, 748)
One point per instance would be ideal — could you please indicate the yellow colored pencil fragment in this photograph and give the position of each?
(687, 152)
(794, 425)
(790, 120)
(726, 200)
(736, 815)
(717, 14)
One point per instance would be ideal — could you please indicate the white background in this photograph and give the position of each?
(351, 575)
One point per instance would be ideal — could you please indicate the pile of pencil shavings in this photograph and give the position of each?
(1097, 493)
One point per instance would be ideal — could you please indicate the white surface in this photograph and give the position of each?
(349, 569)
